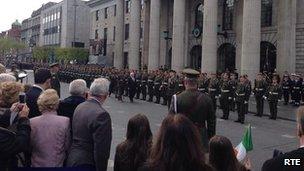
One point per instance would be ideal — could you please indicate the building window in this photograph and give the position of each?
(199, 16)
(141, 32)
(115, 8)
(114, 33)
(97, 15)
(128, 6)
(228, 9)
(96, 34)
(266, 20)
(106, 13)
(127, 31)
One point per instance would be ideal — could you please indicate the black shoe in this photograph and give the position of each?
(237, 121)
(258, 115)
(242, 122)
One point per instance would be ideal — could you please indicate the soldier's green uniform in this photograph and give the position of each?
(242, 94)
(151, 87)
(260, 87)
(157, 84)
(164, 88)
(203, 84)
(170, 91)
(233, 84)
(225, 97)
(214, 91)
(274, 93)
(198, 107)
(144, 81)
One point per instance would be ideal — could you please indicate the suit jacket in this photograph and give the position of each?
(132, 85)
(31, 101)
(50, 139)
(68, 105)
(92, 136)
(277, 163)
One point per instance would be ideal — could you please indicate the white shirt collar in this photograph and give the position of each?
(37, 86)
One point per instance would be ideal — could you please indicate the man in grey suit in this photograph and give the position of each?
(92, 130)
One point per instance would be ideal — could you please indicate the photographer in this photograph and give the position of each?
(14, 126)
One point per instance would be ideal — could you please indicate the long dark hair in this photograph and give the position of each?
(135, 149)
(222, 155)
(178, 146)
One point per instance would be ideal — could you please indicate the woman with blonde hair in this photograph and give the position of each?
(50, 135)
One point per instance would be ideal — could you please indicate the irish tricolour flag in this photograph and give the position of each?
(245, 146)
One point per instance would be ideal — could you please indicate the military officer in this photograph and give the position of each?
(157, 84)
(214, 89)
(151, 86)
(144, 80)
(172, 81)
(225, 95)
(273, 95)
(203, 83)
(260, 87)
(55, 83)
(138, 84)
(197, 106)
(296, 90)
(233, 82)
(164, 88)
(286, 86)
(242, 93)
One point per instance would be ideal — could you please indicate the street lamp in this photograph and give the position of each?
(75, 10)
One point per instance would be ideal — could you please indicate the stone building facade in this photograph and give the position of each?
(209, 35)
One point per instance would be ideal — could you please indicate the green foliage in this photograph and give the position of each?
(8, 45)
(61, 54)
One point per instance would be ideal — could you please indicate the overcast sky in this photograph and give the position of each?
(10, 10)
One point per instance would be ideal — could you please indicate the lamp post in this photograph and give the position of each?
(75, 10)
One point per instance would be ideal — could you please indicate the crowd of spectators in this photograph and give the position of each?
(76, 132)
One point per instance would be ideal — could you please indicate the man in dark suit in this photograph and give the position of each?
(42, 79)
(92, 130)
(283, 162)
(132, 86)
(78, 91)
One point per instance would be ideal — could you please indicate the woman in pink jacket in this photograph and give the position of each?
(50, 136)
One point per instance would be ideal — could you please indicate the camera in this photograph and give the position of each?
(22, 98)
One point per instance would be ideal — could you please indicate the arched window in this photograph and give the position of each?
(199, 15)
(266, 20)
(228, 8)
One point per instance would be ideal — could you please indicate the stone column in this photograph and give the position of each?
(178, 38)
(119, 39)
(286, 57)
(251, 38)
(209, 41)
(146, 32)
(154, 38)
(135, 24)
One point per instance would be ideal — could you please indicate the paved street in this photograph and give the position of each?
(267, 134)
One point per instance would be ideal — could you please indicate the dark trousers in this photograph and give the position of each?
(131, 95)
(297, 97)
(273, 106)
(144, 92)
(214, 103)
(138, 90)
(260, 105)
(225, 107)
(157, 94)
(150, 92)
(286, 96)
(241, 109)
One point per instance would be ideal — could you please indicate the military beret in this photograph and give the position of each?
(190, 73)
(54, 64)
